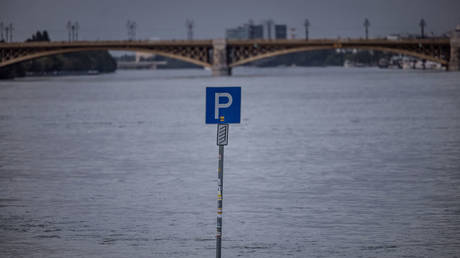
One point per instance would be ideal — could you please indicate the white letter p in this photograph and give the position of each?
(218, 105)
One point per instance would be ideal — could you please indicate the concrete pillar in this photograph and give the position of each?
(219, 59)
(454, 63)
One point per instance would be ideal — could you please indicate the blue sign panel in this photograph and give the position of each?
(223, 105)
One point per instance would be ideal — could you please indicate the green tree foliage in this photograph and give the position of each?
(80, 62)
(39, 36)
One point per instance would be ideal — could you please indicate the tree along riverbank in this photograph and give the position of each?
(79, 63)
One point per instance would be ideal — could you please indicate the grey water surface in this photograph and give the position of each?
(327, 162)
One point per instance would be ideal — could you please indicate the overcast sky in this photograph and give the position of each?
(165, 19)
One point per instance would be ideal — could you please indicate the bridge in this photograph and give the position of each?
(221, 55)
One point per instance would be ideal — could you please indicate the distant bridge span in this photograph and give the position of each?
(222, 55)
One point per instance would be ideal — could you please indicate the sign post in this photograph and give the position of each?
(223, 106)
(222, 135)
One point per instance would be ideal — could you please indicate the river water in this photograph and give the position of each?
(327, 162)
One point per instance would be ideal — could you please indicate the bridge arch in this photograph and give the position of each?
(31, 56)
(315, 48)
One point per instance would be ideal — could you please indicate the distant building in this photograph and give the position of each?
(280, 31)
(247, 31)
(240, 32)
(256, 31)
(393, 37)
(140, 56)
(293, 33)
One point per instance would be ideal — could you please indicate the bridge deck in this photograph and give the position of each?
(225, 54)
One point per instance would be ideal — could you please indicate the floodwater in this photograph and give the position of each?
(327, 162)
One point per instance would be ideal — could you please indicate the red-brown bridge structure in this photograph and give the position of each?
(222, 55)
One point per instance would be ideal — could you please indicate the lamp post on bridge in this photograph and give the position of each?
(307, 25)
(1, 31)
(8, 32)
(11, 32)
(72, 30)
(77, 28)
(131, 26)
(69, 30)
(422, 25)
(189, 25)
(366, 27)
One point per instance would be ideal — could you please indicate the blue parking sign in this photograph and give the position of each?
(223, 105)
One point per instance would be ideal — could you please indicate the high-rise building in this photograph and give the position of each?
(247, 31)
(240, 32)
(280, 31)
(256, 31)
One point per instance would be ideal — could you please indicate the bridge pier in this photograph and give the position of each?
(454, 63)
(220, 65)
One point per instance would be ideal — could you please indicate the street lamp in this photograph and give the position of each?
(189, 26)
(131, 26)
(69, 29)
(422, 25)
(306, 24)
(77, 28)
(366, 26)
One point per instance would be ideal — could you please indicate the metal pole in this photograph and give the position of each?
(77, 27)
(222, 140)
(220, 186)
(11, 32)
(69, 29)
(7, 29)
